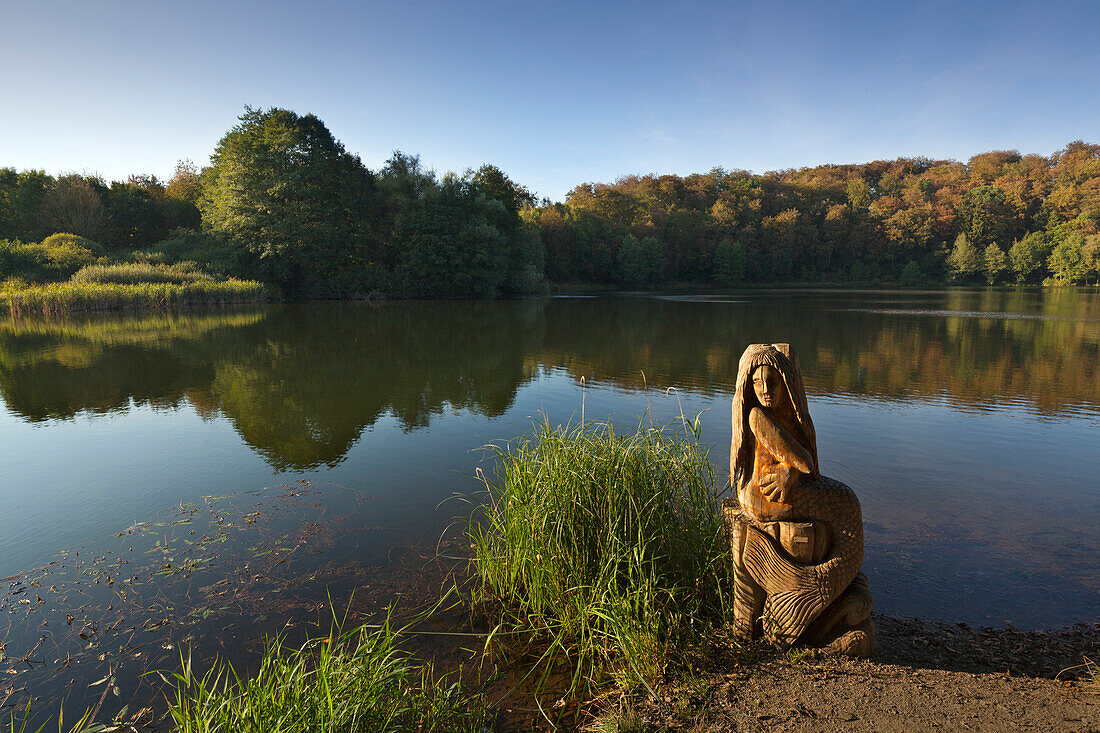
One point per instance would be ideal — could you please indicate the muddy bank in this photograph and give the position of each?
(924, 676)
(960, 648)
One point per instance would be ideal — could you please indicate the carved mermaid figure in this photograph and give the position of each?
(796, 536)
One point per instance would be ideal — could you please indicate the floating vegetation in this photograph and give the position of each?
(223, 569)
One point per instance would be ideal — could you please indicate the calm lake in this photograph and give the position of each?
(207, 476)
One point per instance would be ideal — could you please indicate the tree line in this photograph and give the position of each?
(283, 201)
(999, 217)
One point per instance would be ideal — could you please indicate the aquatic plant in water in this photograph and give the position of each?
(358, 681)
(605, 547)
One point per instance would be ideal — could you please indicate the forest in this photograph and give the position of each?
(282, 203)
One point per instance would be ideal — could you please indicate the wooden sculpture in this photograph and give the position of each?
(796, 536)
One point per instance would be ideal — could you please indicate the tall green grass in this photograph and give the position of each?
(59, 299)
(359, 682)
(605, 546)
(133, 273)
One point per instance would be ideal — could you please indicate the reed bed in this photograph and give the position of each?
(134, 273)
(145, 328)
(358, 682)
(605, 547)
(62, 299)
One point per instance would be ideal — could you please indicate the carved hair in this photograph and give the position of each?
(785, 361)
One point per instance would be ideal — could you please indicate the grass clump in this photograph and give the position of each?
(135, 273)
(354, 682)
(605, 545)
(61, 299)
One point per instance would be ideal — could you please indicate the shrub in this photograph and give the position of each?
(15, 259)
(54, 258)
(606, 546)
(218, 253)
(61, 244)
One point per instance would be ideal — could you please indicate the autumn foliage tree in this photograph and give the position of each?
(895, 220)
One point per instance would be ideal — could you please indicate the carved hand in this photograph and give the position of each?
(774, 484)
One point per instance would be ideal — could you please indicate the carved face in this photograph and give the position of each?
(767, 383)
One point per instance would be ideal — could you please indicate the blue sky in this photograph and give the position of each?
(552, 93)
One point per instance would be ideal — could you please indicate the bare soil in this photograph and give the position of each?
(925, 676)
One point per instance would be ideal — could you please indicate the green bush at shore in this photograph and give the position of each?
(56, 257)
(65, 298)
(605, 546)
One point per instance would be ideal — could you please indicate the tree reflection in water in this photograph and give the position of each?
(300, 383)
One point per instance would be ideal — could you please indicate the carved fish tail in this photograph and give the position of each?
(797, 594)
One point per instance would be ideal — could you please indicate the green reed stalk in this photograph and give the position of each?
(605, 546)
(135, 273)
(59, 299)
(357, 682)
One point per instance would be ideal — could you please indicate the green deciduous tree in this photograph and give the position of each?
(492, 181)
(134, 215)
(73, 204)
(965, 260)
(1090, 253)
(995, 263)
(21, 197)
(640, 263)
(1028, 256)
(859, 194)
(986, 216)
(1067, 262)
(910, 274)
(730, 262)
(186, 183)
(284, 187)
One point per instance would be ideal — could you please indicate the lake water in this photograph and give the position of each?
(209, 476)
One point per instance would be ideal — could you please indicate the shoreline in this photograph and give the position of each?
(923, 676)
(921, 668)
(47, 300)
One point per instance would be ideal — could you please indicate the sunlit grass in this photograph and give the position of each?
(350, 683)
(607, 547)
(58, 299)
(135, 273)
